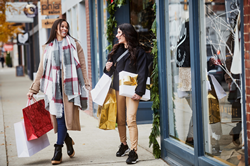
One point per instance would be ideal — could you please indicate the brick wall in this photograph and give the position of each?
(247, 67)
(90, 111)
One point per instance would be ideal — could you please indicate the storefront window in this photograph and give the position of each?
(142, 17)
(221, 68)
(179, 72)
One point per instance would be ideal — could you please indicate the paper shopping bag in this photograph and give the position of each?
(107, 113)
(101, 89)
(36, 120)
(27, 148)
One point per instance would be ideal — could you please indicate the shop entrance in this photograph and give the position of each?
(203, 64)
(141, 16)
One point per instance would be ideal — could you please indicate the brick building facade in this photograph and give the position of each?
(90, 111)
(247, 66)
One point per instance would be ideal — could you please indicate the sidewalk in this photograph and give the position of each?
(93, 146)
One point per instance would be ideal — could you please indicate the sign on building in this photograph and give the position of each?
(8, 47)
(23, 38)
(14, 13)
(51, 7)
(47, 23)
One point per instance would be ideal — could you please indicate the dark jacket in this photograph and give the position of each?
(125, 64)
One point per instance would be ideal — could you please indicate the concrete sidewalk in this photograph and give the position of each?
(93, 145)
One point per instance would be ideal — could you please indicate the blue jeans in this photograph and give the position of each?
(61, 130)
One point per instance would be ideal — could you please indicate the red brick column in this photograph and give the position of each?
(90, 111)
(247, 67)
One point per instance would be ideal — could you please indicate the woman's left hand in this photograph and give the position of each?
(136, 97)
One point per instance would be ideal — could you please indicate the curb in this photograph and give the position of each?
(3, 156)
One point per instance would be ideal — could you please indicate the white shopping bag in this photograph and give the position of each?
(27, 148)
(101, 89)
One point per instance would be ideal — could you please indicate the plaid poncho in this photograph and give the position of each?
(73, 79)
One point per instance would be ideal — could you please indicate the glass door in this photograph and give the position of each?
(178, 67)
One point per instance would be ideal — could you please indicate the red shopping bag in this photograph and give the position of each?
(36, 120)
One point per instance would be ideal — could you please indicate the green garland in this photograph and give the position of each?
(111, 22)
(155, 131)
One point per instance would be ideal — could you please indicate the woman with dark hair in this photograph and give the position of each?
(62, 77)
(135, 61)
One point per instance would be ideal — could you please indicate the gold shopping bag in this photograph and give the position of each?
(107, 113)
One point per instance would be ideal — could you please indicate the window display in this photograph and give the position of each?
(179, 72)
(222, 97)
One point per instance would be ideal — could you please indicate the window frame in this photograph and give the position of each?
(173, 150)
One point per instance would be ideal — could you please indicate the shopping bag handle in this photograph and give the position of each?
(29, 101)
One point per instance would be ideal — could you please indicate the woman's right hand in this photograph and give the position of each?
(30, 95)
(108, 65)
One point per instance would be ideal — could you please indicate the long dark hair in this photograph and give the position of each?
(53, 32)
(131, 38)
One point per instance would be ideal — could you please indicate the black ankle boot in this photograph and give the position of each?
(69, 143)
(57, 158)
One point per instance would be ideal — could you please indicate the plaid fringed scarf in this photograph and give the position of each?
(73, 79)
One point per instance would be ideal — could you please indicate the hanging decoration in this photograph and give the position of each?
(30, 10)
(111, 22)
(218, 29)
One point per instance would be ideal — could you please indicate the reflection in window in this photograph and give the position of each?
(179, 72)
(142, 17)
(222, 118)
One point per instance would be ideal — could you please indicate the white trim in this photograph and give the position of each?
(68, 4)
(82, 23)
(203, 68)
(42, 31)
